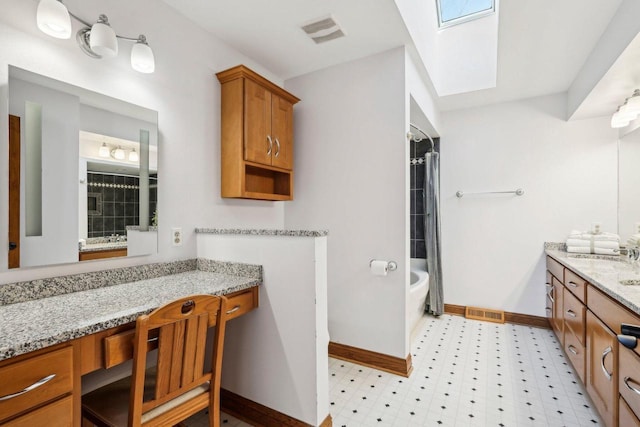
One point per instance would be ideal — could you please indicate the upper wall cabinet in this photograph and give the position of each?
(257, 137)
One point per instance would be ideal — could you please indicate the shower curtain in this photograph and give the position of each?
(435, 301)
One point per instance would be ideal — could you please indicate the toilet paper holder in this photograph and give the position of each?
(391, 265)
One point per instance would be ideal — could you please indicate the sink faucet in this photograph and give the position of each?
(633, 254)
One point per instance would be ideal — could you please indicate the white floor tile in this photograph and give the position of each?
(466, 373)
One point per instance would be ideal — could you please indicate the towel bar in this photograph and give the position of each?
(517, 192)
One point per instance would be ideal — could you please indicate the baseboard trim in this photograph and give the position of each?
(259, 415)
(383, 362)
(517, 318)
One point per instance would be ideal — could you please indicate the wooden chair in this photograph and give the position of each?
(177, 387)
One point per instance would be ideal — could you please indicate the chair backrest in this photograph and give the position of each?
(181, 330)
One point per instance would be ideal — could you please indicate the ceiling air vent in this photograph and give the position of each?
(323, 29)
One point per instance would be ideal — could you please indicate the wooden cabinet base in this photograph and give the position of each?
(107, 253)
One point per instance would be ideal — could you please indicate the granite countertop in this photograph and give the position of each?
(605, 273)
(94, 247)
(39, 323)
(263, 232)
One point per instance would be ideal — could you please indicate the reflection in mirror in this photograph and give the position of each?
(629, 186)
(83, 174)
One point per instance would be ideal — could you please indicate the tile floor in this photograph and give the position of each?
(201, 419)
(466, 373)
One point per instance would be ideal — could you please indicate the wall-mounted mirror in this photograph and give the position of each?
(628, 186)
(83, 171)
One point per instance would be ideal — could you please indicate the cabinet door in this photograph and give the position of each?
(258, 145)
(602, 369)
(282, 133)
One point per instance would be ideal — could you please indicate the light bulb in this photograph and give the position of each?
(142, 59)
(133, 156)
(104, 150)
(53, 19)
(118, 153)
(102, 38)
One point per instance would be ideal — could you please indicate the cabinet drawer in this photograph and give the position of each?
(56, 414)
(241, 302)
(576, 353)
(574, 313)
(626, 417)
(555, 268)
(629, 378)
(576, 284)
(21, 375)
(610, 312)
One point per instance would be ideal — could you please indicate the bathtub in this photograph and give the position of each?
(418, 287)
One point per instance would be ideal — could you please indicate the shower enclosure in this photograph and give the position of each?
(425, 214)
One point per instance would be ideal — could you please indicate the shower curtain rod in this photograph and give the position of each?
(425, 134)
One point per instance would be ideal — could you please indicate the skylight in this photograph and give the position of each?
(452, 12)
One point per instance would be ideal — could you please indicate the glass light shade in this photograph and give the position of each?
(102, 40)
(104, 150)
(142, 59)
(133, 156)
(118, 154)
(633, 104)
(53, 19)
(625, 113)
(619, 119)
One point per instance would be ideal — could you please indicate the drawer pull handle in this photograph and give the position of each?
(28, 389)
(633, 389)
(549, 295)
(548, 308)
(572, 349)
(571, 313)
(604, 355)
(573, 284)
(234, 309)
(278, 147)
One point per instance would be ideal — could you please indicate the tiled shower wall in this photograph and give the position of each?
(417, 152)
(119, 196)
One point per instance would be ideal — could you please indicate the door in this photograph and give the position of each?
(602, 369)
(282, 132)
(258, 143)
(14, 191)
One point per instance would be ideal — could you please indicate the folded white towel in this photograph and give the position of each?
(602, 244)
(633, 242)
(599, 237)
(587, 250)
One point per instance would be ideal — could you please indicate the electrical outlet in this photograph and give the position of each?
(176, 236)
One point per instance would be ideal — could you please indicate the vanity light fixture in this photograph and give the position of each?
(97, 40)
(104, 150)
(627, 112)
(133, 156)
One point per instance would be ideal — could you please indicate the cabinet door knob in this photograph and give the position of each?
(270, 145)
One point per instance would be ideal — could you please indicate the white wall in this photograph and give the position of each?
(184, 92)
(277, 354)
(493, 245)
(351, 178)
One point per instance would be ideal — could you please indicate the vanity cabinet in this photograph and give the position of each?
(257, 137)
(591, 322)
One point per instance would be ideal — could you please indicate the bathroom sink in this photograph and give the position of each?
(630, 282)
